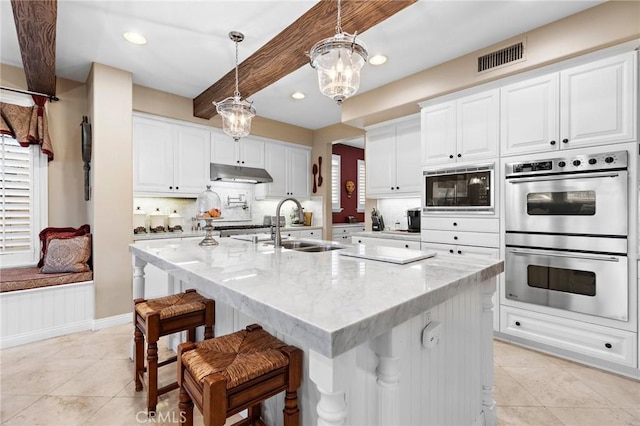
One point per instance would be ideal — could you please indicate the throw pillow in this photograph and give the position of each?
(68, 255)
(48, 234)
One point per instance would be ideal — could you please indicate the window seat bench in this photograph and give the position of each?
(15, 279)
(36, 306)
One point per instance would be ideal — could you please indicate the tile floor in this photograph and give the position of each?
(86, 379)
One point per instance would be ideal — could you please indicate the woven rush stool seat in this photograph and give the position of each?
(159, 317)
(238, 371)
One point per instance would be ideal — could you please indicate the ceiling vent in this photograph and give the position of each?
(498, 58)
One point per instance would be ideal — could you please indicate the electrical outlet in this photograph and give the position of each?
(431, 334)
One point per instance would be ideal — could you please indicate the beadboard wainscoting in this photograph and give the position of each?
(40, 313)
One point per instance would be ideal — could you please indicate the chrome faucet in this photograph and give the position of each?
(277, 239)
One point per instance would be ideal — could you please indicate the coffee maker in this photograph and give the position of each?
(377, 223)
(413, 219)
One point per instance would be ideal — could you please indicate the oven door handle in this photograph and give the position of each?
(572, 255)
(563, 177)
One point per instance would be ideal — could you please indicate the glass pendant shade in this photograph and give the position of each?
(236, 116)
(338, 61)
(236, 112)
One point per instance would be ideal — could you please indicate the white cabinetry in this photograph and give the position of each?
(343, 233)
(393, 163)
(169, 159)
(388, 242)
(289, 166)
(590, 104)
(463, 129)
(307, 234)
(248, 152)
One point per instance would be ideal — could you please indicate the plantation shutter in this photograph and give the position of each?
(361, 185)
(335, 182)
(16, 214)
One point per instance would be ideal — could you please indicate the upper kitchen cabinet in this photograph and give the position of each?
(169, 159)
(391, 155)
(590, 104)
(248, 152)
(290, 167)
(461, 130)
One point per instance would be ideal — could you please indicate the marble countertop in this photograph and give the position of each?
(391, 235)
(330, 302)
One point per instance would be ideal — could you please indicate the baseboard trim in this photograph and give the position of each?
(101, 323)
(46, 333)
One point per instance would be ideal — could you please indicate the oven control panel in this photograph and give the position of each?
(574, 163)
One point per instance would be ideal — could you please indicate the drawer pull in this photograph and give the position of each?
(455, 237)
(406, 245)
(359, 241)
(451, 251)
(518, 323)
(459, 251)
(455, 223)
(608, 345)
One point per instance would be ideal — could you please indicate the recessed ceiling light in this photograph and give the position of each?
(134, 38)
(377, 59)
(298, 95)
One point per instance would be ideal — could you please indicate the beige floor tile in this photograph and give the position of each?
(10, 405)
(508, 355)
(622, 392)
(42, 376)
(508, 392)
(594, 416)
(107, 378)
(59, 410)
(635, 412)
(521, 416)
(118, 329)
(556, 388)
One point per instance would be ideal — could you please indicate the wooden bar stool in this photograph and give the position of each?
(159, 317)
(238, 371)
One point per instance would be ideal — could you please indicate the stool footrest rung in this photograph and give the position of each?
(168, 361)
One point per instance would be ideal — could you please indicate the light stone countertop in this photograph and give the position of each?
(330, 302)
(390, 235)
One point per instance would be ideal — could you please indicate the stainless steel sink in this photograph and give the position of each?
(312, 246)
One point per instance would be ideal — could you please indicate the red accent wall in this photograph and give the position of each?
(348, 171)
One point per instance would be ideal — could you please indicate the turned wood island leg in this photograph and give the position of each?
(138, 293)
(387, 348)
(332, 377)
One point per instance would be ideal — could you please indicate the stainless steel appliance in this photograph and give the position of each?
(566, 233)
(461, 189)
(413, 219)
(581, 194)
(579, 274)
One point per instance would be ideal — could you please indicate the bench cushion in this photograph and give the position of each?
(14, 279)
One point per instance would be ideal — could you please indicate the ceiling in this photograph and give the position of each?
(188, 47)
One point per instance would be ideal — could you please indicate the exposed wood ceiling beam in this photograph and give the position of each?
(36, 27)
(286, 52)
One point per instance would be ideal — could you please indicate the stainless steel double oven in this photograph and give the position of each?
(566, 233)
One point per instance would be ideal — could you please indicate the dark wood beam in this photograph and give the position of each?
(36, 27)
(286, 52)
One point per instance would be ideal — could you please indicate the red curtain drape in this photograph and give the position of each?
(28, 125)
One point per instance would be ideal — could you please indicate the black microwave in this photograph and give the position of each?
(462, 189)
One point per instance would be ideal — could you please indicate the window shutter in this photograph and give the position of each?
(361, 186)
(16, 200)
(335, 183)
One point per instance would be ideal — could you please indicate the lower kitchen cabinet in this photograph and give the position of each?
(474, 251)
(592, 340)
(343, 233)
(307, 234)
(388, 242)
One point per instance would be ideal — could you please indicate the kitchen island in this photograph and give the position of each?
(360, 324)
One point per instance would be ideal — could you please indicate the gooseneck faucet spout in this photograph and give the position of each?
(277, 239)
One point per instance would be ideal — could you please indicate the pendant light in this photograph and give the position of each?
(338, 60)
(236, 112)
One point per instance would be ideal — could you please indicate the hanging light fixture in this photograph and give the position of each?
(338, 60)
(236, 112)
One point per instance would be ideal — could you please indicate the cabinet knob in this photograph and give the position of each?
(242, 162)
(359, 241)
(451, 156)
(459, 251)
(455, 223)
(397, 187)
(459, 155)
(455, 237)
(177, 188)
(171, 187)
(311, 232)
(565, 140)
(406, 245)
(552, 142)
(608, 345)
(518, 323)
(451, 251)
(392, 188)
(238, 161)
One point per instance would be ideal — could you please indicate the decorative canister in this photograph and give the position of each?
(139, 221)
(175, 222)
(208, 209)
(157, 221)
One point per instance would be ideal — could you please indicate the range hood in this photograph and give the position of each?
(227, 173)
